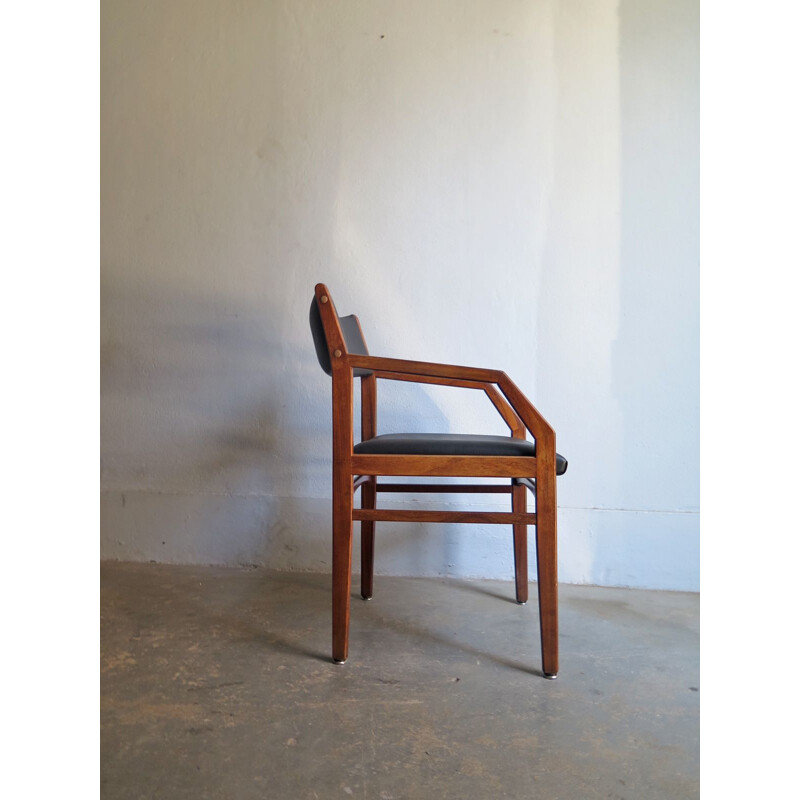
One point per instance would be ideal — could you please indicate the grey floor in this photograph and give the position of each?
(216, 683)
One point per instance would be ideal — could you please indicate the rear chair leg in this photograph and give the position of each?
(368, 493)
(519, 506)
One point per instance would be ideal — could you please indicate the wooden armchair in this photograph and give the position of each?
(343, 354)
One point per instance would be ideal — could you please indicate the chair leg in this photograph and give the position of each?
(519, 506)
(368, 494)
(342, 559)
(546, 559)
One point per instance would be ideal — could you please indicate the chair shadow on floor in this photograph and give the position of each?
(252, 626)
(404, 627)
(471, 586)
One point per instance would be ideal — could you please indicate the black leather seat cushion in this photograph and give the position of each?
(451, 444)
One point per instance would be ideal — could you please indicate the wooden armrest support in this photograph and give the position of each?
(511, 419)
(538, 426)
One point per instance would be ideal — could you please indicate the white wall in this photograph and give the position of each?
(497, 183)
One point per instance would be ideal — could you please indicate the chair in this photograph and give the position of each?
(532, 466)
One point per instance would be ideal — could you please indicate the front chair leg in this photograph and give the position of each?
(342, 560)
(546, 559)
(519, 506)
(368, 494)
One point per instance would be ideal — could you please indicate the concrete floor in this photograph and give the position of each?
(217, 683)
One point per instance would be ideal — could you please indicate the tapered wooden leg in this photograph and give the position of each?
(519, 506)
(546, 558)
(342, 559)
(368, 494)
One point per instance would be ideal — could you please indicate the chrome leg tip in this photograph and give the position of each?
(336, 661)
(549, 676)
(522, 602)
(366, 598)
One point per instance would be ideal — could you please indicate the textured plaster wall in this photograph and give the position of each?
(497, 183)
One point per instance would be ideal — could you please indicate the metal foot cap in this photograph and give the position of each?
(549, 676)
(336, 661)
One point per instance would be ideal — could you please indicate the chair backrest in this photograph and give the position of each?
(350, 334)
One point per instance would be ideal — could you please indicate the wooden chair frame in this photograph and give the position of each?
(352, 472)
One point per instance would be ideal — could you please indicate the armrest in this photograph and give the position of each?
(424, 368)
(523, 408)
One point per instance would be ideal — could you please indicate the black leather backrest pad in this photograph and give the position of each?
(318, 332)
(353, 339)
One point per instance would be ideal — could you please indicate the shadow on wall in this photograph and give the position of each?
(225, 449)
(241, 150)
